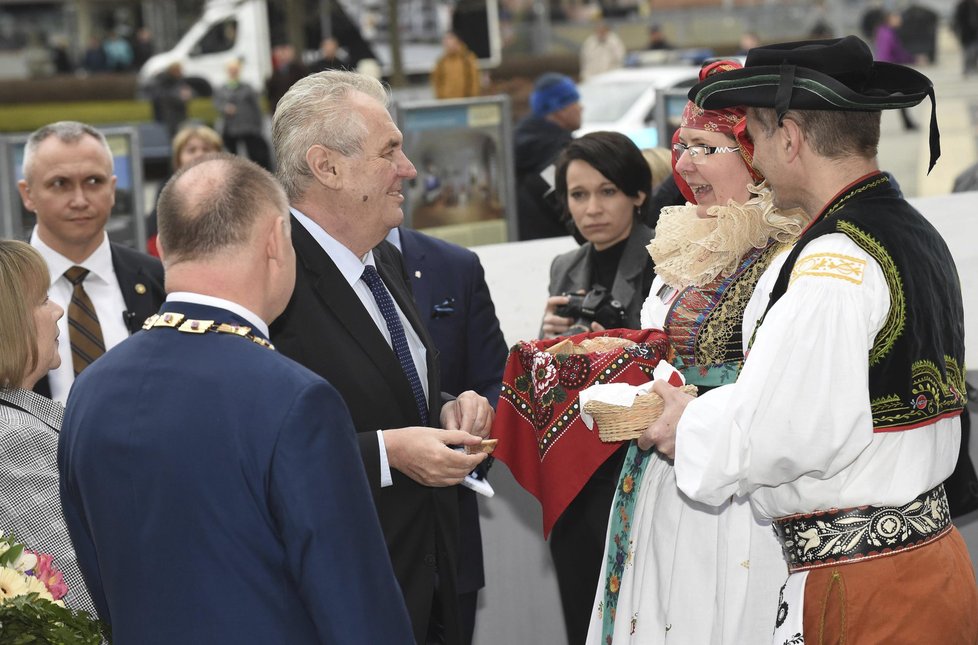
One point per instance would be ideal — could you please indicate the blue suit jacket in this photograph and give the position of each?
(214, 493)
(450, 290)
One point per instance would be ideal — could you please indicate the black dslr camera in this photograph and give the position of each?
(597, 305)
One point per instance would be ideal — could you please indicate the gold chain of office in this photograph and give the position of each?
(180, 322)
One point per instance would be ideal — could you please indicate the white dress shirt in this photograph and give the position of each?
(102, 288)
(352, 269)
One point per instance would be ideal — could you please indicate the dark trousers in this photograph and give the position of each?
(467, 603)
(577, 545)
(256, 146)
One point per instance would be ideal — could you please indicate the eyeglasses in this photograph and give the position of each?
(698, 153)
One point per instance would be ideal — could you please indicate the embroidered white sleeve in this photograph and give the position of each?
(801, 404)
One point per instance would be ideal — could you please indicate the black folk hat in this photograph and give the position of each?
(836, 74)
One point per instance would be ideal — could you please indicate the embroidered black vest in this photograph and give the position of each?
(916, 363)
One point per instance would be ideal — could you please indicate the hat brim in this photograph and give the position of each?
(890, 87)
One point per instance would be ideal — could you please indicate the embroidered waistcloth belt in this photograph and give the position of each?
(841, 536)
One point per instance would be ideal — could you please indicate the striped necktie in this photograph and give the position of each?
(84, 331)
(398, 339)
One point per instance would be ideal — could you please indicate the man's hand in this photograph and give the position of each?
(423, 454)
(470, 412)
(662, 433)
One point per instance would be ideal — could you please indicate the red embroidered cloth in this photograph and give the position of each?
(542, 439)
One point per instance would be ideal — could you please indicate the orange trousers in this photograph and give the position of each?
(925, 596)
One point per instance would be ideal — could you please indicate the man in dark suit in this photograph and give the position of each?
(451, 293)
(210, 485)
(352, 320)
(70, 186)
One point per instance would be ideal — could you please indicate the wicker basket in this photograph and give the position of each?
(620, 423)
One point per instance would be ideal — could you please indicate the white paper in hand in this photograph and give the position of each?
(624, 394)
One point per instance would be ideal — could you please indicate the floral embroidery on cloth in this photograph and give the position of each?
(620, 547)
(542, 439)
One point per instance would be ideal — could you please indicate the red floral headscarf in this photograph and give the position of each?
(732, 121)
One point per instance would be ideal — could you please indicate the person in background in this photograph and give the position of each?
(241, 117)
(657, 39)
(601, 52)
(196, 448)
(965, 25)
(603, 184)
(118, 52)
(539, 137)
(107, 289)
(190, 143)
(59, 54)
(456, 74)
(288, 70)
(889, 49)
(748, 41)
(30, 506)
(170, 95)
(664, 189)
(142, 47)
(448, 281)
(330, 57)
(663, 549)
(93, 59)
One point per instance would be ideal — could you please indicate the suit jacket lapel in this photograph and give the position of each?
(415, 263)
(136, 287)
(128, 276)
(633, 262)
(335, 294)
(580, 272)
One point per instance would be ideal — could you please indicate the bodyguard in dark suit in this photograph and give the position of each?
(70, 186)
(450, 289)
(352, 320)
(211, 486)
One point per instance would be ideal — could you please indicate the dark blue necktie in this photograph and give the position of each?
(398, 339)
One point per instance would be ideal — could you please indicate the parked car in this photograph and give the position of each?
(624, 100)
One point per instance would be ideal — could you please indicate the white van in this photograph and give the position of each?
(228, 29)
(240, 29)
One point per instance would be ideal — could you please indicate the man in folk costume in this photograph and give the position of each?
(845, 420)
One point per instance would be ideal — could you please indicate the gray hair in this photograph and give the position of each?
(66, 132)
(314, 111)
(197, 223)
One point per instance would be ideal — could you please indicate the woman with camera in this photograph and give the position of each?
(673, 566)
(602, 182)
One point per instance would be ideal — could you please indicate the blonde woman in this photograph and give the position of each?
(30, 504)
(190, 143)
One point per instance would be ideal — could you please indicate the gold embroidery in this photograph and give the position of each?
(879, 181)
(716, 341)
(829, 265)
(931, 395)
(896, 318)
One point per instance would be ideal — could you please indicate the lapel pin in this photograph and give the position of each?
(417, 274)
(140, 288)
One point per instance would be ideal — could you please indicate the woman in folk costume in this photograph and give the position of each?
(676, 571)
